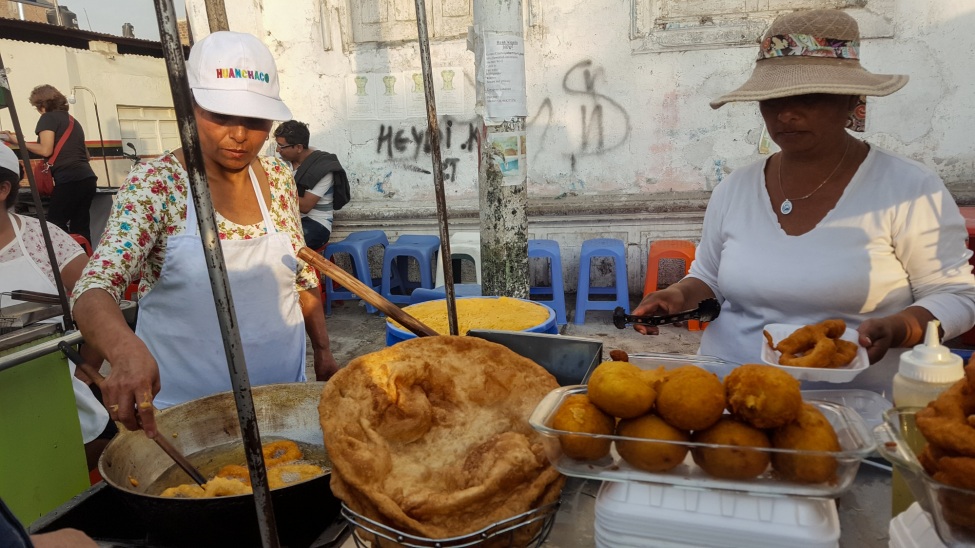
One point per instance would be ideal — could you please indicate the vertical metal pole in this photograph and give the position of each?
(98, 121)
(182, 100)
(503, 201)
(216, 15)
(433, 130)
(25, 157)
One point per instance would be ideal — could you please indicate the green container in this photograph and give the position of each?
(42, 454)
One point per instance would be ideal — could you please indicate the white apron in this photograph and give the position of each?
(24, 273)
(178, 319)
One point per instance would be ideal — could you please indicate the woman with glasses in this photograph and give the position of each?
(176, 353)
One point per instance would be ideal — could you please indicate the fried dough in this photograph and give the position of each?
(431, 437)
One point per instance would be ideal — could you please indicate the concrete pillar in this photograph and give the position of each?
(217, 15)
(501, 97)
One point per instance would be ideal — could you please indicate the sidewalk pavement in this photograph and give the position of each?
(353, 332)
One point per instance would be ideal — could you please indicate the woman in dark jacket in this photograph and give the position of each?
(74, 180)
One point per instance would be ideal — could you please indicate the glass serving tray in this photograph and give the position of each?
(856, 442)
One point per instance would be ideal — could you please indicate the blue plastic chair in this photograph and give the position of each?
(549, 249)
(601, 247)
(396, 265)
(423, 295)
(357, 246)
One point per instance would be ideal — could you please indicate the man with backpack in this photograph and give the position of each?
(323, 186)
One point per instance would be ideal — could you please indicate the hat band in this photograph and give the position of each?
(805, 45)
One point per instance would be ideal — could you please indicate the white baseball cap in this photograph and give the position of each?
(8, 160)
(234, 73)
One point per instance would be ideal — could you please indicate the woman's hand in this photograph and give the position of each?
(325, 364)
(129, 389)
(901, 330)
(665, 301)
(10, 137)
(134, 380)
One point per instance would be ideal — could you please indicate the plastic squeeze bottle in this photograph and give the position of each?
(924, 373)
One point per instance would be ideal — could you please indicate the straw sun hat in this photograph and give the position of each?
(814, 51)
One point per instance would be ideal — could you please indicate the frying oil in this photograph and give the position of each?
(211, 460)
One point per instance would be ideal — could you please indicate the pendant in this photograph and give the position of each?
(786, 207)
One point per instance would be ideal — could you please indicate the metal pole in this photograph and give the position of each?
(503, 196)
(25, 158)
(101, 139)
(216, 15)
(213, 253)
(434, 132)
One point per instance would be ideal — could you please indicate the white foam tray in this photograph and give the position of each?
(632, 514)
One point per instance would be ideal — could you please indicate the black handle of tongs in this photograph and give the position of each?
(706, 310)
(34, 297)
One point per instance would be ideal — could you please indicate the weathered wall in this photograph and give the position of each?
(622, 141)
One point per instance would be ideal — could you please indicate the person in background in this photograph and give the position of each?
(831, 226)
(24, 264)
(74, 180)
(315, 173)
(176, 353)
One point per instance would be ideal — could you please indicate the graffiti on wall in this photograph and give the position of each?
(405, 146)
(604, 125)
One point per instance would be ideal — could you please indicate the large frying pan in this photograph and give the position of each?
(302, 511)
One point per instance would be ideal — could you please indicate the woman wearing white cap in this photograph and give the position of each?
(176, 353)
(24, 264)
(831, 226)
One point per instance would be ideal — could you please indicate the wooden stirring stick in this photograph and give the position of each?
(160, 438)
(364, 292)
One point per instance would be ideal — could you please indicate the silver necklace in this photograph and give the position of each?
(786, 207)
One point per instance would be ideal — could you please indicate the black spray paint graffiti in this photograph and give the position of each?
(581, 80)
(404, 146)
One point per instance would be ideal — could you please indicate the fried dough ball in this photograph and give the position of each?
(621, 390)
(690, 398)
(810, 432)
(283, 475)
(731, 463)
(578, 414)
(763, 396)
(652, 457)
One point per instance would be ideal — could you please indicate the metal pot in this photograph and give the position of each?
(132, 463)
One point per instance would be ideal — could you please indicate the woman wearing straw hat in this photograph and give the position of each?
(176, 353)
(830, 226)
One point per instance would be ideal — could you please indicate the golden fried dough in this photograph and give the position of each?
(763, 396)
(649, 456)
(810, 432)
(578, 414)
(621, 390)
(431, 436)
(690, 398)
(737, 463)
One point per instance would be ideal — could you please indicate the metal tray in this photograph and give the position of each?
(856, 442)
(568, 359)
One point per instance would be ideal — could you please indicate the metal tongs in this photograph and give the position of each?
(706, 311)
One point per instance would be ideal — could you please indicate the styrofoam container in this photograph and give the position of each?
(779, 331)
(912, 528)
(643, 514)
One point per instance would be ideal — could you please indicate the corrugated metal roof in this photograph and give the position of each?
(43, 33)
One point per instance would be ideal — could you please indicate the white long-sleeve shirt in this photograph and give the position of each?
(894, 239)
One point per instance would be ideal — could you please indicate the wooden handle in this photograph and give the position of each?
(364, 292)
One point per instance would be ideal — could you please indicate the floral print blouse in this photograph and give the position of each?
(152, 206)
(65, 248)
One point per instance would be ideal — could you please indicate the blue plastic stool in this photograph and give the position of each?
(422, 295)
(601, 247)
(549, 249)
(396, 265)
(356, 245)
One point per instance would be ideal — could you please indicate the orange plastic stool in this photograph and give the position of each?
(666, 249)
(670, 249)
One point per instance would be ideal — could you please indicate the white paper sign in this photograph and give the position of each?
(508, 152)
(360, 100)
(504, 76)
